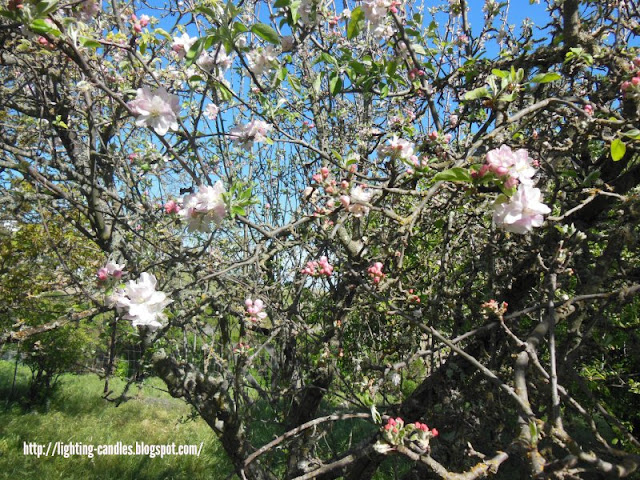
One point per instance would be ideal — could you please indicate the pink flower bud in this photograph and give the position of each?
(325, 172)
(635, 81)
(102, 274)
(171, 207)
(345, 200)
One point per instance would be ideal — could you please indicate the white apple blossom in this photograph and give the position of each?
(254, 131)
(181, 45)
(522, 212)
(398, 148)
(217, 59)
(205, 206)
(158, 109)
(262, 60)
(143, 304)
(358, 199)
(375, 10)
(211, 111)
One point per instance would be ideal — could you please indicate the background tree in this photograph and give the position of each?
(321, 218)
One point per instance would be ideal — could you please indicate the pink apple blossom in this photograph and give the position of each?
(254, 309)
(204, 207)
(181, 45)
(318, 267)
(102, 274)
(171, 207)
(114, 269)
(158, 109)
(375, 272)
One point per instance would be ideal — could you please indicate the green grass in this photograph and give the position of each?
(76, 412)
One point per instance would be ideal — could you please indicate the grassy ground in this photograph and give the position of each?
(77, 413)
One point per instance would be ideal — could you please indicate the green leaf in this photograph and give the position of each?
(335, 84)
(89, 42)
(508, 98)
(500, 73)
(207, 11)
(325, 57)
(266, 33)
(419, 49)
(618, 149)
(294, 81)
(294, 7)
(356, 23)
(481, 92)
(633, 133)
(194, 52)
(46, 7)
(40, 26)
(317, 83)
(546, 77)
(455, 174)
(239, 28)
(163, 33)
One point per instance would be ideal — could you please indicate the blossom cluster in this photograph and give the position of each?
(112, 270)
(399, 148)
(513, 168)
(523, 209)
(404, 150)
(158, 109)
(241, 348)
(631, 88)
(395, 433)
(492, 307)
(355, 201)
(254, 309)
(376, 12)
(202, 208)
(143, 304)
(254, 131)
(262, 60)
(319, 267)
(218, 60)
(375, 272)
(140, 23)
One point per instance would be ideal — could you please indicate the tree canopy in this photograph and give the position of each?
(356, 237)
